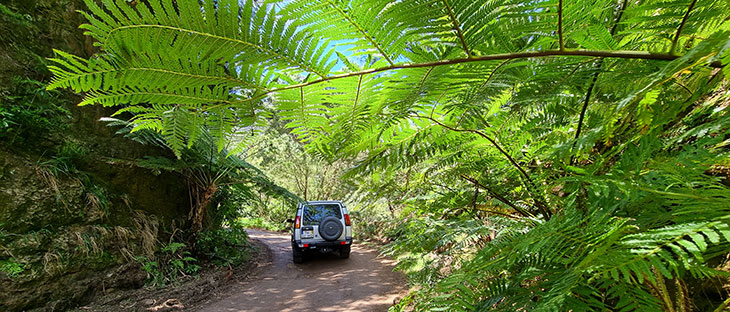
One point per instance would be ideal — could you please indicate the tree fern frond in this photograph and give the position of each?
(190, 97)
(225, 31)
(101, 74)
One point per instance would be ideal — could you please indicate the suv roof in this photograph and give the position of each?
(324, 202)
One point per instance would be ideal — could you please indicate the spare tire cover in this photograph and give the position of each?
(330, 228)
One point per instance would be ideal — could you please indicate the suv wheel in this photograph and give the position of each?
(297, 254)
(345, 252)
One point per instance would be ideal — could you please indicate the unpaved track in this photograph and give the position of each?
(364, 282)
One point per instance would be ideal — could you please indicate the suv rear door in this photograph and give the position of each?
(314, 213)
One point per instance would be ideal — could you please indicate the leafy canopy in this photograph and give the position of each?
(601, 127)
(355, 60)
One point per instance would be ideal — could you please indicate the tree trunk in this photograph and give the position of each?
(392, 209)
(201, 207)
(306, 185)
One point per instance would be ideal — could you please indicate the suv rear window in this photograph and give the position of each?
(313, 214)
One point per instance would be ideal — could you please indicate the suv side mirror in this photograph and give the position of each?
(289, 220)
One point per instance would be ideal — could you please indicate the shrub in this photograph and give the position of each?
(172, 262)
(225, 246)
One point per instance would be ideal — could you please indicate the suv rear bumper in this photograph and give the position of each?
(322, 244)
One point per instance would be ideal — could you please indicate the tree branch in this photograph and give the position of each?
(572, 72)
(681, 26)
(357, 95)
(560, 25)
(505, 56)
(492, 73)
(584, 109)
(587, 99)
(531, 184)
(475, 198)
(423, 80)
(457, 28)
(301, 99)
(677, 82)
(497, 213)
(488, 138)
(498, 196)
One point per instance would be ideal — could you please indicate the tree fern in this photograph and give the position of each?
(598, 125)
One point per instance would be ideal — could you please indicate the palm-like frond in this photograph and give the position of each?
(231, 53)
(584, 119)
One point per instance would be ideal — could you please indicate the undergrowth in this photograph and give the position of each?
(259, 223)
(169, 265)
(29, 112)
(225, 246)
(11, 268)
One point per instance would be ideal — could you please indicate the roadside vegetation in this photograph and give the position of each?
(88, 210)
(542, 155)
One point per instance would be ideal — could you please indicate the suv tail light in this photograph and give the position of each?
(347, 219)
(297, 222)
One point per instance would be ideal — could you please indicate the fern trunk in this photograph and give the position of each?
(202, 196)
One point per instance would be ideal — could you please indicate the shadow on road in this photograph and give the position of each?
(324, 282)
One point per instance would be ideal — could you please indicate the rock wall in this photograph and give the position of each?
(74, 210)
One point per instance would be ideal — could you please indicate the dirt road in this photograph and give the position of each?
(364, 282)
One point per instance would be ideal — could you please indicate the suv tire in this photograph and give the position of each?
(330, 228)
(345, 252)
(297, 254)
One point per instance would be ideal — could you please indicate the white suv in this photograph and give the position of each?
(321, 226)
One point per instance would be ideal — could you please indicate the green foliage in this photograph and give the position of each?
(222, 185)
(427, 248)
(289, 43)
(16, 17)
(66, 160)
(29, 112)
(226, 246)
(654, 216)
(573, 261)
(285, 158)
(11, 267)
(171, 263)
(265, 205)
(370, 224)
(259, 223)
(97, 197)
(596, 130)
(305, 177)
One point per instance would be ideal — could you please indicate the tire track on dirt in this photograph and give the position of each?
(364, 282)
